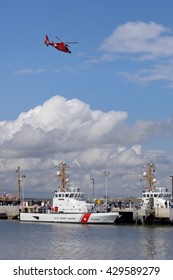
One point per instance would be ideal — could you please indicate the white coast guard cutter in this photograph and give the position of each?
(68, 206)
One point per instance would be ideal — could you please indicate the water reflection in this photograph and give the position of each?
(149, 245)
(156, 242)
(64, 241)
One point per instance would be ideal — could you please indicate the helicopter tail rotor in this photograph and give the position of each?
(46, 41)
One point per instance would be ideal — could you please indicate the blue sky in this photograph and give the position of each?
(122, 64)
(89, 22)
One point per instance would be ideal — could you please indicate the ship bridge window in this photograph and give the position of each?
(167, 195)
(67, 195)
(148, 195)
(155, 195)
(72, 194)
(144, 195)
(160, 195)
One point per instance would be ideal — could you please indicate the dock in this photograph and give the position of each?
(140, 216)
(154, 216)
(9, 211)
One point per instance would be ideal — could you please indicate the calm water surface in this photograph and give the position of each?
(21, 240)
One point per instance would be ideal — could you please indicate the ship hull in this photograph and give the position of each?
(83, 218)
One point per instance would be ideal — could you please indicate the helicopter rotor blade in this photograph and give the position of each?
(58, 38)
(66, 42)
(72, 42)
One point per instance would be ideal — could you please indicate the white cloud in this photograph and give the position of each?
(70, 119)
(148, 47)
(89, 140)
(149, 39)
(157, 72)
(29, 71)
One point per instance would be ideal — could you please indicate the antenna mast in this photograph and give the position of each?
(149, 176)
(63, 176)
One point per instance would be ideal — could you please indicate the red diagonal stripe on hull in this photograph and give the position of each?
(85, 217)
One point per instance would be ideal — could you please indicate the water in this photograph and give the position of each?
(34, 241)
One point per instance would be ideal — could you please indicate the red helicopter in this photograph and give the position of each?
(61, 46)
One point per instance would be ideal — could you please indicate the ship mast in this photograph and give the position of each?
(149, 176)
(63, 176)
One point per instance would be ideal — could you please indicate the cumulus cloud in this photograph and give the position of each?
(69, 120)
(89, 140)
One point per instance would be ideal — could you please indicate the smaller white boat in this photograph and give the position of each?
(68, 206)
(154, 197)
(156, 203)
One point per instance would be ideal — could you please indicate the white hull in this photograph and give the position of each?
(84, 218)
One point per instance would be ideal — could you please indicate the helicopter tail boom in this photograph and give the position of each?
(46, 41)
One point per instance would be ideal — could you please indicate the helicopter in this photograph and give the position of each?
(60, 46)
